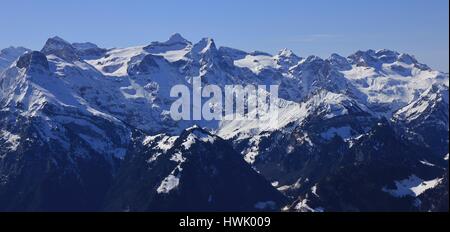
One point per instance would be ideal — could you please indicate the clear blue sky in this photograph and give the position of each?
(318, 27)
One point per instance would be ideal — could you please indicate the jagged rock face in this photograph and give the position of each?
(341, 63)
(73, 113)
(287, 58)
(376, 59)
(145, 66)
(61, 48)
(33, 61)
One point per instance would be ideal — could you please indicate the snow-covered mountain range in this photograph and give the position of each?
(89, 128)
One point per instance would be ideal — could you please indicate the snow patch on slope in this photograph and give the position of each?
(163, 144)
(344, 132)
(253, 149)
(257, 63)
(115, 62)
(168, 184)
(413, 186)
(11, 140)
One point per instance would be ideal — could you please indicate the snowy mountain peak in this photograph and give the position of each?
(286, 58)
(427, 102)
(385, 52)
(175, 47)
(340, 62)
(195, 133)
(286, 53)
(389, 56)
(376, 59)
(177, 38)
(60, 48)
(313, 58)
(204, 45)
(337, 57)
(365, 58)
(310, 63)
